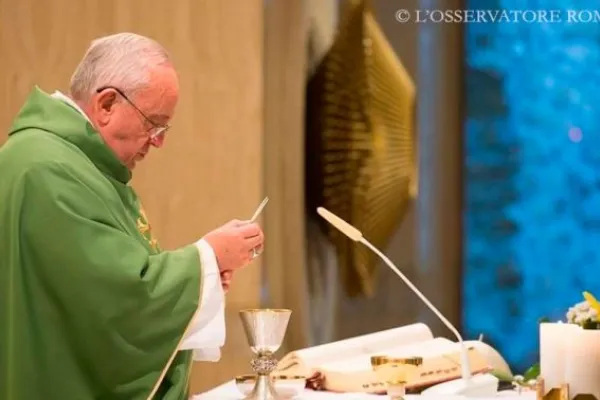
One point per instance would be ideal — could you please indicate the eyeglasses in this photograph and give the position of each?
(157, 130)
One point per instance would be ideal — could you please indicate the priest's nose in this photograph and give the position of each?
(157, 141)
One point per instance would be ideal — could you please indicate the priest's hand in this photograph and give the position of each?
(235, 244)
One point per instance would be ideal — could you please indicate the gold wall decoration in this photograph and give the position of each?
(360, 146)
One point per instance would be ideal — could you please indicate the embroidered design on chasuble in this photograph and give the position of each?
(145, 229)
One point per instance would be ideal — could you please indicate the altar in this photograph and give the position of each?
(228, 391)
(360, 367)
(407, 359)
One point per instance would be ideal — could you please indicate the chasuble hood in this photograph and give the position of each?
(42, 111)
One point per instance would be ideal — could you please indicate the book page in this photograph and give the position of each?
(362, 362)
(441, 362)
(317, 356)
(345, 366)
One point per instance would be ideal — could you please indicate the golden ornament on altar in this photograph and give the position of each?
(394, 373)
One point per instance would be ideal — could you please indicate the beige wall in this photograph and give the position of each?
(285, 70)
(211, 169)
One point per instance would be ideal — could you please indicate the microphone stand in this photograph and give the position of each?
(468, 385)
(465, 362)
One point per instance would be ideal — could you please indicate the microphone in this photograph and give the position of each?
(468, 385)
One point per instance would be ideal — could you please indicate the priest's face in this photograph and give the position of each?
(132, 124)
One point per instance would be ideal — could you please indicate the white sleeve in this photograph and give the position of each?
(206, 335)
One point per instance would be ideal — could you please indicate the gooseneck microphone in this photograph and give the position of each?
(485, 384)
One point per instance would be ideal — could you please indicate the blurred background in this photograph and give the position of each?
(468, 151)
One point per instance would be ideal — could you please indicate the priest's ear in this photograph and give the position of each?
(105, 102)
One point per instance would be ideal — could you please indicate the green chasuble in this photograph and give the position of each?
(90, 308)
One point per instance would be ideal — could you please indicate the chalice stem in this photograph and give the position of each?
(265, 330)
(263, 390)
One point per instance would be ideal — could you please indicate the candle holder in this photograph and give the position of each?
(559, 393)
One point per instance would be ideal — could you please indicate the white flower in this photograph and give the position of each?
(571, 315)
(581, 313)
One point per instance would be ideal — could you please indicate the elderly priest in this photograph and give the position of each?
(91, 307)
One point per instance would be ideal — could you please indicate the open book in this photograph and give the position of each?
(345, 366)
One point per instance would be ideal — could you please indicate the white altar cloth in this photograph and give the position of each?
(228, 391)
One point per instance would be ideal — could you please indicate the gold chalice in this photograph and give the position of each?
(265, 330)
(394, 373)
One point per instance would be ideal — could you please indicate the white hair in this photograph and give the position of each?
(122, 60)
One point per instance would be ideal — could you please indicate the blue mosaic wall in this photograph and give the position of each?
(532, 170)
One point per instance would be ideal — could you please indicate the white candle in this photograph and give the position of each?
(582, 369)
(553, 345)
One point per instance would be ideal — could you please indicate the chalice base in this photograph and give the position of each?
(396, 391)
(264, 390)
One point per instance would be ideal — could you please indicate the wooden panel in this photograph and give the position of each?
(210, 170)
(440, 140)
(285, 77)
